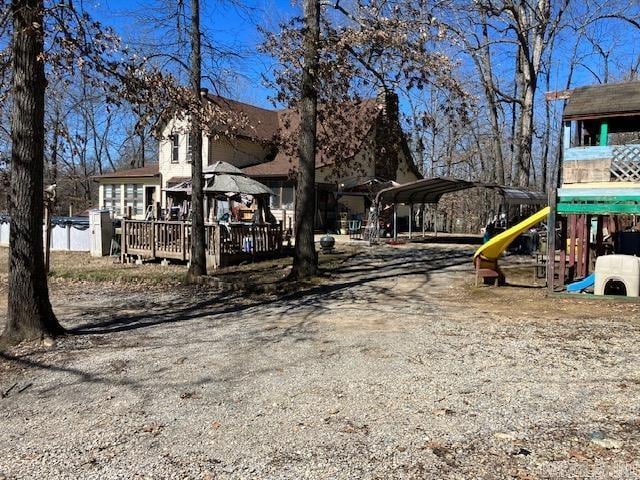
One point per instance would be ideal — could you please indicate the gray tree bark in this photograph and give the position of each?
(198, 266)
(305, 258)
(29, 312)
(488, 83)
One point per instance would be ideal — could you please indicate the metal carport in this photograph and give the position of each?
(430, 190)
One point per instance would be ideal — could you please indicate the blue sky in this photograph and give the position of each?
(233, 27)
(236, 29)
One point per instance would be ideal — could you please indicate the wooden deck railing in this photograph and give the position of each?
(224, 243)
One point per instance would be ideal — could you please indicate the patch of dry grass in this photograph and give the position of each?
(520, 297)
(80, 266)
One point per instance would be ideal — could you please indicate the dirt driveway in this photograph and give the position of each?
(395, 368)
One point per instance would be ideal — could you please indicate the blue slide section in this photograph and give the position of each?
(577, 287)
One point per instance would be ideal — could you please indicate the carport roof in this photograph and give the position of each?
(429, 190)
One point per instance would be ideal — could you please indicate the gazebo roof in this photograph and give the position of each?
(225, 183)
(221, 167)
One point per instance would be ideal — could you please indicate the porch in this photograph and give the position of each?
(225, 244)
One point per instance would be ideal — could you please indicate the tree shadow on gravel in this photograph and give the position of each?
(359, 287)
(361, 280)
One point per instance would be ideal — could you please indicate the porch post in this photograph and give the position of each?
(123, 241)
(604, 133)
(153, 238)
(183, 235)
(423, 220)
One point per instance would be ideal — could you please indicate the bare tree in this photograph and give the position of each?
(362, 47)
(76, 36)
(198, 265)
(305, 259)
(29, 312)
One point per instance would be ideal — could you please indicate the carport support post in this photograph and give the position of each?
(435, 219)
(410, 219)
(395, 220)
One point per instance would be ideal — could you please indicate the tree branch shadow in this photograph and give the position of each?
(362, 272)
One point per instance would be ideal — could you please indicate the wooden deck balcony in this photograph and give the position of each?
(225, 244)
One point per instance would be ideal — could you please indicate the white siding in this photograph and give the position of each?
(168, 169)
(123, 182)
(404, 174)
(240, 152)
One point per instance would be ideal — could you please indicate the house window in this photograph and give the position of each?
(274, 200)
(174, 148)
(134, 198)
(189, 147)
(284, 194)
(287, 196)
(111, 198)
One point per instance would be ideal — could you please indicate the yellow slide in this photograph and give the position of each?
(498, 244)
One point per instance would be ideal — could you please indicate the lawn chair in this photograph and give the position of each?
(355, 229)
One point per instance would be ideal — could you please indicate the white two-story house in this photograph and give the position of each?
(265, 150)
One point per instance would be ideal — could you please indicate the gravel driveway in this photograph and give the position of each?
(394, 369)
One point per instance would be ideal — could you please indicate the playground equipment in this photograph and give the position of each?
(582, 285)
(617, 269)
(486, 257)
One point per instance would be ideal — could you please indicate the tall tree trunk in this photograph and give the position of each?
(517, 87)
(525, 136)
(29, 312)
(53, 172)
(488, 83)
(516, 120)
(143, 148)
(305, 258)
(198, 265)
(140, 127)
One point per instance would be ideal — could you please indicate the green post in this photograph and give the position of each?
(604, 133)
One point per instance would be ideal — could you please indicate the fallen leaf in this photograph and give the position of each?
(443, 411)
(578, 455)
(153, 428)
(185, 395)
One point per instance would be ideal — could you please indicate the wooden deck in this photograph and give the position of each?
(225, 244)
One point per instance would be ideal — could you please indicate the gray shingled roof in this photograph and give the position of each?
(151, 170)
(604, 100)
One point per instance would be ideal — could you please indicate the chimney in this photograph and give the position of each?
(388, 100)
(388, 134)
